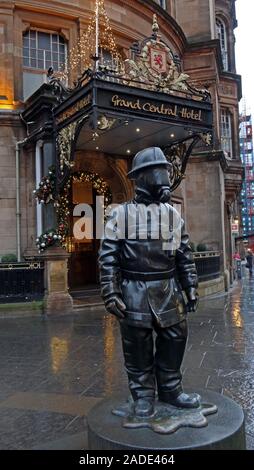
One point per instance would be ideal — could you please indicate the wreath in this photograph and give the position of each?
(47, 239)
(47, 188)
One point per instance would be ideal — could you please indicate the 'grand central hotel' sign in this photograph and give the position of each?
(156, 106)
(175, 110)
(116, 100)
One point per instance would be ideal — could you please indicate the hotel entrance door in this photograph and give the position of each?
(83, 269)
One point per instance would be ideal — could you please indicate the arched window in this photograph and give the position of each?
(222, 36)
(226, 132)
(41, 50)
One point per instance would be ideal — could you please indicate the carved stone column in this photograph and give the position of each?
(57, 299)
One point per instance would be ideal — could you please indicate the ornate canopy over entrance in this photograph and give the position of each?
(123, 106)
(120, 120)
(120, 106)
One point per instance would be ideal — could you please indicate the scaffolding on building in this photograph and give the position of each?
(247, 157)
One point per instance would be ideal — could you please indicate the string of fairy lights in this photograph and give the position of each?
(63, 207)
(61, 234)
(99, 35)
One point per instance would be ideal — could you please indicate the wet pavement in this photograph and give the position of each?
(53, 370)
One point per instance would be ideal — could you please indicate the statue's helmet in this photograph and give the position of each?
(149, 157)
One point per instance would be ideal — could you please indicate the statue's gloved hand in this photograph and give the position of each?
(115, 306)
(193, 298)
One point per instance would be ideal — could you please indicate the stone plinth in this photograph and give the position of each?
(57, 299)
(224, 430)
(214, 286)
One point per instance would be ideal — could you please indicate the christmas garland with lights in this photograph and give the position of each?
(49, 238)
(63, 212)
(58, 236)
(47, 188)
(98, 183)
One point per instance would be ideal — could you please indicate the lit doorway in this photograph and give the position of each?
(83, 266)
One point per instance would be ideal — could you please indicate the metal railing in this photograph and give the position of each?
(24, 282)
(21, 282)
(208, 265)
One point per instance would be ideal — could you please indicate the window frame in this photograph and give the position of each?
(57, 65)
(163, 4)
(226, 132)
(222, 34)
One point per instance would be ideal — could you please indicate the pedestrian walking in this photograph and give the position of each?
(237, 266)
(249, 264)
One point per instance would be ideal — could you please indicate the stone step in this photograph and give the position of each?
(88, 306)
(90, 301)
(84, 293)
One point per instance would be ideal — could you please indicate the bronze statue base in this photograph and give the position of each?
(177, 429)
(166, 418)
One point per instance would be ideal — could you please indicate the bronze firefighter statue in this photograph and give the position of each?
(145, 263)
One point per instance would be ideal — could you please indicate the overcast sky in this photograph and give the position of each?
(245, 50)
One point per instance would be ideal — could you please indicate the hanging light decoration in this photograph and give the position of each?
(94, 43)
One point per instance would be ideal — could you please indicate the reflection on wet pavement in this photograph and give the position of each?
(54, 370)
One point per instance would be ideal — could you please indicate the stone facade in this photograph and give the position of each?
(210, 192)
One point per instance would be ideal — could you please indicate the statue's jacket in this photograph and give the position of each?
(145, 258)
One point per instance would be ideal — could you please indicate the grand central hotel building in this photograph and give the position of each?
(79, 143)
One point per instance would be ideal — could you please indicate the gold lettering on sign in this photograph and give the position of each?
(162, 109)
(122, 103)
(166, 110)
(74, 109)
(190, 114)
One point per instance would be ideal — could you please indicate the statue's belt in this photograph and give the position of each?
(152, 276)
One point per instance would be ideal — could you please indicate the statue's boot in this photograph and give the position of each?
(182, 400)
(144, 407)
